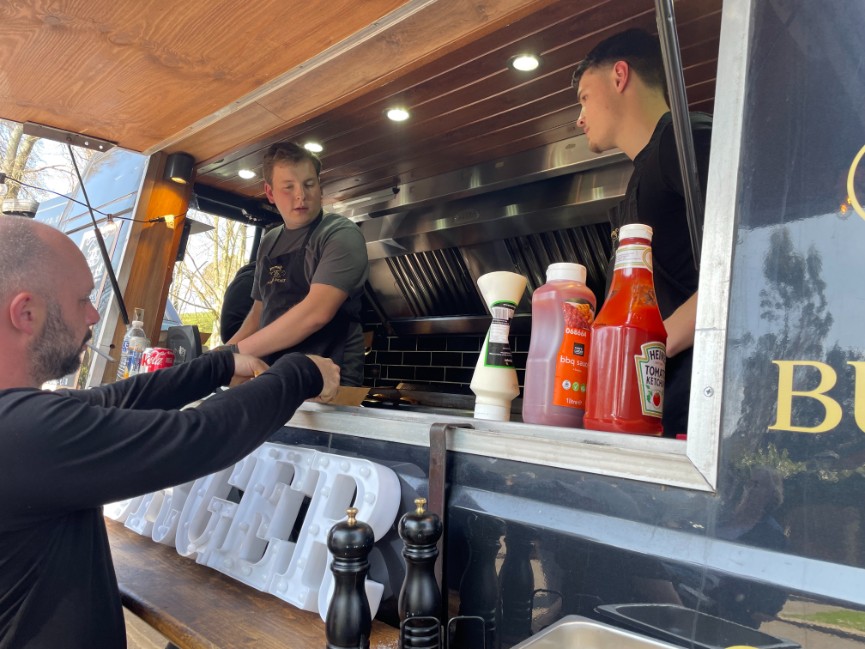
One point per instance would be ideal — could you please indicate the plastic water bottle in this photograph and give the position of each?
(134, 343)
(557, 368)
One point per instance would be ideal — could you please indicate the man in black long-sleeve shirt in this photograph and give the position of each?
(64, 454)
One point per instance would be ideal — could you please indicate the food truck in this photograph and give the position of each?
(747, 532)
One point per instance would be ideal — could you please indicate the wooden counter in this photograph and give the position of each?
(196, 607)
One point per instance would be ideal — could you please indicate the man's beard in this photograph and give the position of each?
(55, 353)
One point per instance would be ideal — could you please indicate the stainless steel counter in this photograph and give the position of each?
(661, 461)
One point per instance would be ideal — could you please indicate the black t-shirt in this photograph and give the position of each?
(237, 301)
(655, 197)
(65, 454)
(656, 188)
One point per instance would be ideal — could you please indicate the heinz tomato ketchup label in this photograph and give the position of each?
(650, 366)
(572, 366)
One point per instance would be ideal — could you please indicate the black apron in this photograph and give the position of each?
(282, 284)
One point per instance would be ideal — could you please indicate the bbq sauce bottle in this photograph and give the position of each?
(558, 364)
(629, 345)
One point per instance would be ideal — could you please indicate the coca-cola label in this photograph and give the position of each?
(157, 358)
(651, 365)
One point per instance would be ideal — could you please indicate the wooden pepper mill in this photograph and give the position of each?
(348, 622)
(420, 598)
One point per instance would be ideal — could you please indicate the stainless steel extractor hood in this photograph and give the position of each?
(429, 241)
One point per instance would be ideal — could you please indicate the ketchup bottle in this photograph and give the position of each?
(625, 392)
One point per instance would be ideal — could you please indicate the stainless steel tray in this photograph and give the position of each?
(690, 628)
(576, 632)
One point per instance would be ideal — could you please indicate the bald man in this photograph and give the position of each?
(64, 454)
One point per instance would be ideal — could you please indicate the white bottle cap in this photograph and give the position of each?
(566, 271)
(498, 411)
(137, 324)
(635, 230)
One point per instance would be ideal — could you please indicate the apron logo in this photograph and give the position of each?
(277, 275)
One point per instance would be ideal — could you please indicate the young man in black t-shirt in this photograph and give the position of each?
(622, 92)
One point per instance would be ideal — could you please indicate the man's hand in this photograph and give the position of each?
(330, 373)
(246, 367)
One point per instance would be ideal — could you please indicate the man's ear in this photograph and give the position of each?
(268, 191)
(621, 75)
(24, 313)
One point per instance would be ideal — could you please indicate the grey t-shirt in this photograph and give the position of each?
(336, 256)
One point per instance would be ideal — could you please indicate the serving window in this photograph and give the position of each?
(689, 464)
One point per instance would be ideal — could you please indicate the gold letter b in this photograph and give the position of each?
(828, 377)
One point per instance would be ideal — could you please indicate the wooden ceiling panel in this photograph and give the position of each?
(435, 29)
(520, 138)
(489, 119)
(469, 93)
(138, 72)
(223, 80)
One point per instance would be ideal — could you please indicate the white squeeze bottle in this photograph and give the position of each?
(495, 379)
(558, 364)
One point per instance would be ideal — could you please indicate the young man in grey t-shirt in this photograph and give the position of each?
(310, 272)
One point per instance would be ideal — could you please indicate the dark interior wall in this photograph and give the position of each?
(444, 361)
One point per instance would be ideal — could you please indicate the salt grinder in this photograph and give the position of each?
(420, 598)
(348, 622)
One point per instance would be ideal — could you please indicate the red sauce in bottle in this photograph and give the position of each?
(559, 351)
(625, 392)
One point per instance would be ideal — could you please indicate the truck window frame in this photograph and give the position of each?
(692, 464)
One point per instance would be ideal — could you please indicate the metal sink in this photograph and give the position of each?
(576, 632)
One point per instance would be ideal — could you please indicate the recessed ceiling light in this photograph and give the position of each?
(525, 62)
(397, 114)
(246, 174)
(315, 147)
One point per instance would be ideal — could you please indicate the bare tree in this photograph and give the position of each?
(37, 162)
(212, 259)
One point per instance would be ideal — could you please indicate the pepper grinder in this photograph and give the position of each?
(516, 585)
(479, 586)
(420, 598)
(348, 622)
